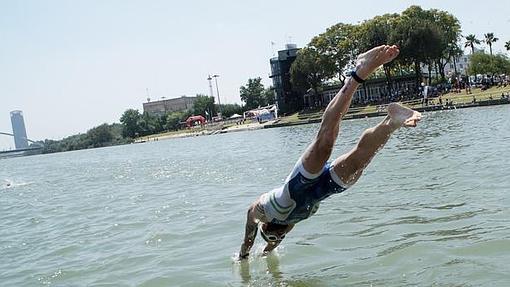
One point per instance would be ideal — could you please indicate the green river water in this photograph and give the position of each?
(433, 209)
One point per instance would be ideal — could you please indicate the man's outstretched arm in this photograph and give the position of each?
(250, 233)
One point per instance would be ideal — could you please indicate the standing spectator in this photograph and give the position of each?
(425, 93)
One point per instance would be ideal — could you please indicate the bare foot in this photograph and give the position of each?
(402, 116)
(367, 62)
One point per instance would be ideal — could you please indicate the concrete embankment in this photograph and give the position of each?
(383, 113)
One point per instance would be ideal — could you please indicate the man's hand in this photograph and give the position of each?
(243, 256)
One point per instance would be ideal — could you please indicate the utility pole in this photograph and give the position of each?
(217, 91)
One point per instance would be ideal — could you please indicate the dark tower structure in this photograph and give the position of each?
(18, 129)
(287, 99)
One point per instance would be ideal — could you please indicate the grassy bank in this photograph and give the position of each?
(461, 98)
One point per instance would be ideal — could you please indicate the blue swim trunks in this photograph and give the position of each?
(300, 196)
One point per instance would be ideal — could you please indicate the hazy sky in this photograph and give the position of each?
(72, 65)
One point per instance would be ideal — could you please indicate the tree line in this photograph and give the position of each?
(100, 136)
(430, 38)
(134, 123)
(487, 64)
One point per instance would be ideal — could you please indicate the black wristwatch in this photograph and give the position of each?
(356, 77)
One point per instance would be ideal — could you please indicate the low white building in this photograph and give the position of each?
(462, 63)
(373, 90)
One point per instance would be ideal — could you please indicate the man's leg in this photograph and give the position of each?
(349, 167)
(316, 155)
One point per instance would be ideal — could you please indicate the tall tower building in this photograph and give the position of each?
(287, 99)
(18, 129)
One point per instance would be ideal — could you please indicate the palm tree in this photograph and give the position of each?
(471, 41)
(489, 39)
(507, 46)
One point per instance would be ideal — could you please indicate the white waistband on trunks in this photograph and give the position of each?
(301, 168)
(337, 179)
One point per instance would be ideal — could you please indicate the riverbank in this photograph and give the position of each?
(476, 98)
(220, 129)
(382, 112)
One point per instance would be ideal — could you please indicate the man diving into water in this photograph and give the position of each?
(313, 179)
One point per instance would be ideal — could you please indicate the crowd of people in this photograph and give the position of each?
(425, 92)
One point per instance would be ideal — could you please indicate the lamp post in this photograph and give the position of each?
(217, 91)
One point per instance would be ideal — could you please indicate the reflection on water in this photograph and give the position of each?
(432, 207)
(273, 267)
(244, 271)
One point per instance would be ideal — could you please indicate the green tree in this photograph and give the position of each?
(100, 136)
(424, 36)
(375, 32)
(149, 124)
(481, 63)
(489, 39)
(116, 129)
(418, 37)
(51, 146)
(471, 40)
(308, 72)
(252, 94)
(130, 123)
(502, 64)
(75, 142)
(174, 119)
(450, 33)
(507, 46)
(229, 109)
(204, 105)
(337, 46)
(453, 53)
(269, 96)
